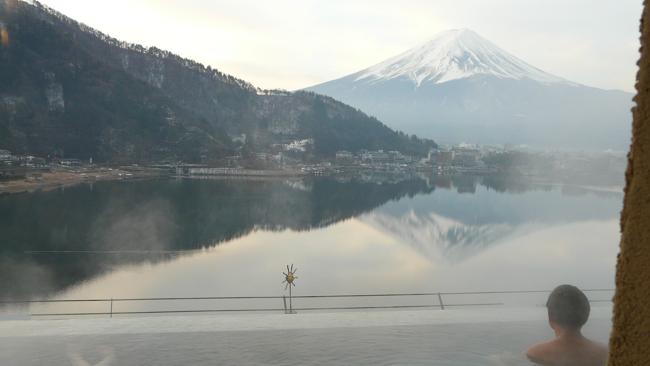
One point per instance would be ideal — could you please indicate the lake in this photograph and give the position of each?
(229, 237)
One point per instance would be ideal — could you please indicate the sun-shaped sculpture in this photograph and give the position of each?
(289, 277)
(289, 281)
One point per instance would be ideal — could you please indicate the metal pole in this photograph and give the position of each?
(442, 305)
(284, 300)
(111, 307)
(290, 302)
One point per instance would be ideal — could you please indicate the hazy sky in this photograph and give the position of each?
(293, 44)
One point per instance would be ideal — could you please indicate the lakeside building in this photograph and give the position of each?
(398, 157)
(25, 161)
(344, 157)
(441, 157)
(70, 162)
(467, 157)
(378, 156)
(32, 161)
(6, 158)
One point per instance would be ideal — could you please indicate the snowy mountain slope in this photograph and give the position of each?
(460, 87)
(452, 55)
(438, 238)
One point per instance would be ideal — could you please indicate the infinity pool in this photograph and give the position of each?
(451, 337)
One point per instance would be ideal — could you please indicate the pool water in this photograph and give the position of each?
(455, 337)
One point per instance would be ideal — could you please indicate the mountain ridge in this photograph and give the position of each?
(463, 88)
(69, 90)
(451, 55)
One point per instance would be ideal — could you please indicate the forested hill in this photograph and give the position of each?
(68, 90)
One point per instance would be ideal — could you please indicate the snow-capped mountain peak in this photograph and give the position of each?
(453, 54)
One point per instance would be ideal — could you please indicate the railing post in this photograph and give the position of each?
(284, 300)
(442, 305)
(290, 301)
(111, 307)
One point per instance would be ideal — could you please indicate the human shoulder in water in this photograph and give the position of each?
(568, 352)
(568, 310)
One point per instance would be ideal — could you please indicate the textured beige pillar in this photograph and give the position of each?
(630, 339)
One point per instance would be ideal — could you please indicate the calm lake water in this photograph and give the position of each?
(183, 237)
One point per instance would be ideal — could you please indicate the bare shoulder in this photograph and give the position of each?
(599, 349)
(561, 353)
(539, 353)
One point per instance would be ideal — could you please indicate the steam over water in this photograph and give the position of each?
(170, 238)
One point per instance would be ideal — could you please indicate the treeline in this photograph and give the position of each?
(67, 90)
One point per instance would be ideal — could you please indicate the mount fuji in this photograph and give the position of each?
(460, 87)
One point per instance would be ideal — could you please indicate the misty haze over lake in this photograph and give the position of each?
(165, 238)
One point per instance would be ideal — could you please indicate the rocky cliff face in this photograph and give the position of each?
(54, 94)
(282, 114)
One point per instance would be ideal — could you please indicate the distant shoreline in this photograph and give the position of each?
(67, 177)
(60, 177)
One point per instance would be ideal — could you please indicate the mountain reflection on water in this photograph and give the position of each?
(55, 241)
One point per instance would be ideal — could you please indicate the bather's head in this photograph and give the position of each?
(568, 308)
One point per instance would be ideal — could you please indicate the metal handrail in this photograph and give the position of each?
(263, 309)
(295, 296)
(439, 305)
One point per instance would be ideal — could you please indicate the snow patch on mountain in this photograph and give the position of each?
(451, 55)
(438, 238)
